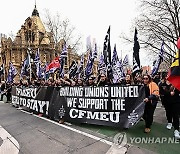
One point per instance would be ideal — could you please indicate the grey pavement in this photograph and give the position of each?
(160, 114)
(159, 117)
(37, 136)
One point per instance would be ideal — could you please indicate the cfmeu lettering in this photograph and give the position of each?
(103, 116)
(28, 92)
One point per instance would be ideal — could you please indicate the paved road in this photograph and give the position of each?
(36, 136)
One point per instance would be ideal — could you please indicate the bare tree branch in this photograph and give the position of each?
(62, 29)
(159, 21)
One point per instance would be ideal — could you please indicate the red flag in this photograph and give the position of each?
(53, 65)
(174, 73)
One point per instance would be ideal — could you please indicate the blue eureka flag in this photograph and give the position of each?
(118, 72)
(25, 66)
(44, 74)
(73, 69)
(126, 61)
(11, 73)
(102, 66)
(38, 65)
(62, 60)
(79, 72)
(158, 61)
(107, 54)
(89, 66)
(115, 58)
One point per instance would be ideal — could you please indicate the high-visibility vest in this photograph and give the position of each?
(154, 89)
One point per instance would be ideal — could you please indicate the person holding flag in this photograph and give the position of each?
(151, 100)
(12, 72)
(174, 79)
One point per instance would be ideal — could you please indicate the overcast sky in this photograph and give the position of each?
(90, 17)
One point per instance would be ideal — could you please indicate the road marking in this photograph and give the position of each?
(159, 107)
(9, 145)
(73, 129)
(116, 150)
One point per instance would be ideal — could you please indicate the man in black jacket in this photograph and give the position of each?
(90, 81)
(103, 80)
(175, 93)
(164, 89)
(3, 89)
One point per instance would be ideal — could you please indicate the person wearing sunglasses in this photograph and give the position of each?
(152, 97)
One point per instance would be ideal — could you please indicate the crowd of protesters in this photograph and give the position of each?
(156, 90)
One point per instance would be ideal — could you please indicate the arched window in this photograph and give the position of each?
(29, 36)
(29, 24)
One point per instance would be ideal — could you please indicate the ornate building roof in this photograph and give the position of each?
(33, 32)
(37, 21)
(35, 12)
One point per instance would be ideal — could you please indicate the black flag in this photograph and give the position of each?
(73, 69)
(107, 54)
(136, 68)
(136, 60)
(107, 48)
(136, 48)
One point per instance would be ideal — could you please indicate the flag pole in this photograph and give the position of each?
(121, 57)
(29, 57)
(30, 67)
(4, 72)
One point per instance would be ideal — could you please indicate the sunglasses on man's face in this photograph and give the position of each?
(145, 78)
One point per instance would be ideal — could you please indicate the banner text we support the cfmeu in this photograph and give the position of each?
(101, 105)
(120, 106)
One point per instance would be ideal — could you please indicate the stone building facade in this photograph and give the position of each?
(33, 35)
